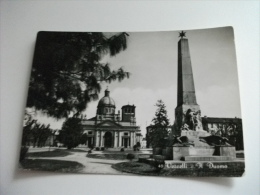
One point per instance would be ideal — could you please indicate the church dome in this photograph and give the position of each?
(106, 101)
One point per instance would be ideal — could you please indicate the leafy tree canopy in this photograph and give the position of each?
(71, 132)
(36, 133)
(161, 117)
(159, 128)
(67, 71)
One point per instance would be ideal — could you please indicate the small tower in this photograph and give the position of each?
(128, 113)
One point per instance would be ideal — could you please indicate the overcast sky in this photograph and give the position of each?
(151, 58)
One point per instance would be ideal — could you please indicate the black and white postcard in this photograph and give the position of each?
(134, 103)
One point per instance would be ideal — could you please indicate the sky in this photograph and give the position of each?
(151, 59)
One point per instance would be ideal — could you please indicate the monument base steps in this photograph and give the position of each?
(208, 158)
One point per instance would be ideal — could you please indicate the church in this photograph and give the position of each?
(110, 129)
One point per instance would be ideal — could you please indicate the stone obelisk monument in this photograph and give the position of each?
(187, 112)
(187, 117)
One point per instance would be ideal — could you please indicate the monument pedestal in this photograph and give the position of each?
(210, 153)
(194, 137)
(225, 151)
(202, 151)
(180, 152)
(208, 158)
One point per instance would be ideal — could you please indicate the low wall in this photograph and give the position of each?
(157, 151)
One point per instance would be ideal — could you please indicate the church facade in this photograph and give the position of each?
(110, 129)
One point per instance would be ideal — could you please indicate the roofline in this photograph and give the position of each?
(128, 106)
(99, 124)
(221, 118)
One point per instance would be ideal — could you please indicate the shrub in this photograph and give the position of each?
(102, 148)
(135, 147)
(158, 164)
(130, 157)
(71, 133)
(122, 150)
(23, 153)
(97, 148)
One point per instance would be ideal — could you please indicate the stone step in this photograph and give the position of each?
(118, 149)
(208, 158)
(159, 157)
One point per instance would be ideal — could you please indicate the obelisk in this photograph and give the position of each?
(187, 111)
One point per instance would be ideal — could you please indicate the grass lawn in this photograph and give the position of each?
(54, 153)
(51, 165)
(76, 150)
(233, 169)
(117, 156)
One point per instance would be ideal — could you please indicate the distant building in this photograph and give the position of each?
(139, 137)
(212, 124)
(141, 140)
(231, 128)
(143, 143)
(111, 130)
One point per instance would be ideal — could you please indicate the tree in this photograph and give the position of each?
(40, 133)
(67, 72)
(33, 131)
(27, 131)
(44, 133)
(159, 128)
(83, 139)
(71, 133)
(234, 132)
